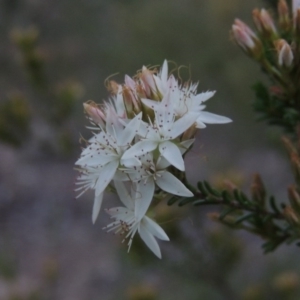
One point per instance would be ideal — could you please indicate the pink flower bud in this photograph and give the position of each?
(129, 82)
(113, 87)
(284, 53)
(284, 16)
(246, 39)
(267, 21)
(132, 105)
(242, 37)
(95, 113)
(297, 21)
(148, 81)
(245, 28)
(264, 22)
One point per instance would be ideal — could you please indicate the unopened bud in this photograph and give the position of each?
(294, 198)
(289, 146)
(258, 190)
(140, 91)
(297, 22)
(291, 216)
(94, 113)
(130, 102)
(189, 133)
(246, 39)
(285, 54)
(284, 16)
(267, 21)
(256, 19)
(146, 77)
(129, 82)
(113, 87)
(264, 23)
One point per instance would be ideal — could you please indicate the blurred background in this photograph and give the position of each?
(55, 55)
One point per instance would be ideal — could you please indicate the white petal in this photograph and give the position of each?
(200, 125)
(124, 194)
(185, 145)
(144, 195)
(151, 103)
(172, 154)
(94, 159)
(209, 118)
(147, 131)
(164, 72)
(139, 149)
(202, 97)
(119, 103)
(130, 162)
(154, 229)
(130, 82)
(119, 213)
(150, 241)
(130, 130)
(169, 183)
(162, 163)
(159, 84)
(183, 124)
(105, 176)
(96, 207)
(113, 126)
(121, 176)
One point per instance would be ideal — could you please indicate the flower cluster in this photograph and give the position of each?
(139, 138)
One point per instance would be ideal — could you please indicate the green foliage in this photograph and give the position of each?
(15, 117)
(51, 103)
(8, 267)
(26, 40)
(253, 214)
(274, 109)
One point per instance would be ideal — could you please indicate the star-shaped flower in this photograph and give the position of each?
(156, 171)
(162, 134)
(185, 100)
(131, 218)
(101, 158)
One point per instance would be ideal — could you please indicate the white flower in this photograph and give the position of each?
(155, 171)
(101, 159)
(185, 100)
(131, 218)
(162, 134)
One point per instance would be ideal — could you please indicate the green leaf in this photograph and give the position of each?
(226, 212)
(244, 218)
(211, 190)
(173, 200)
(202, 189)
(273, 205)
(186, 201)
(204, 202)
(226, 196)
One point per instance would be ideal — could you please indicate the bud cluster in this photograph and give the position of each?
(269, 37)
(139, 138)
(275, 45)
